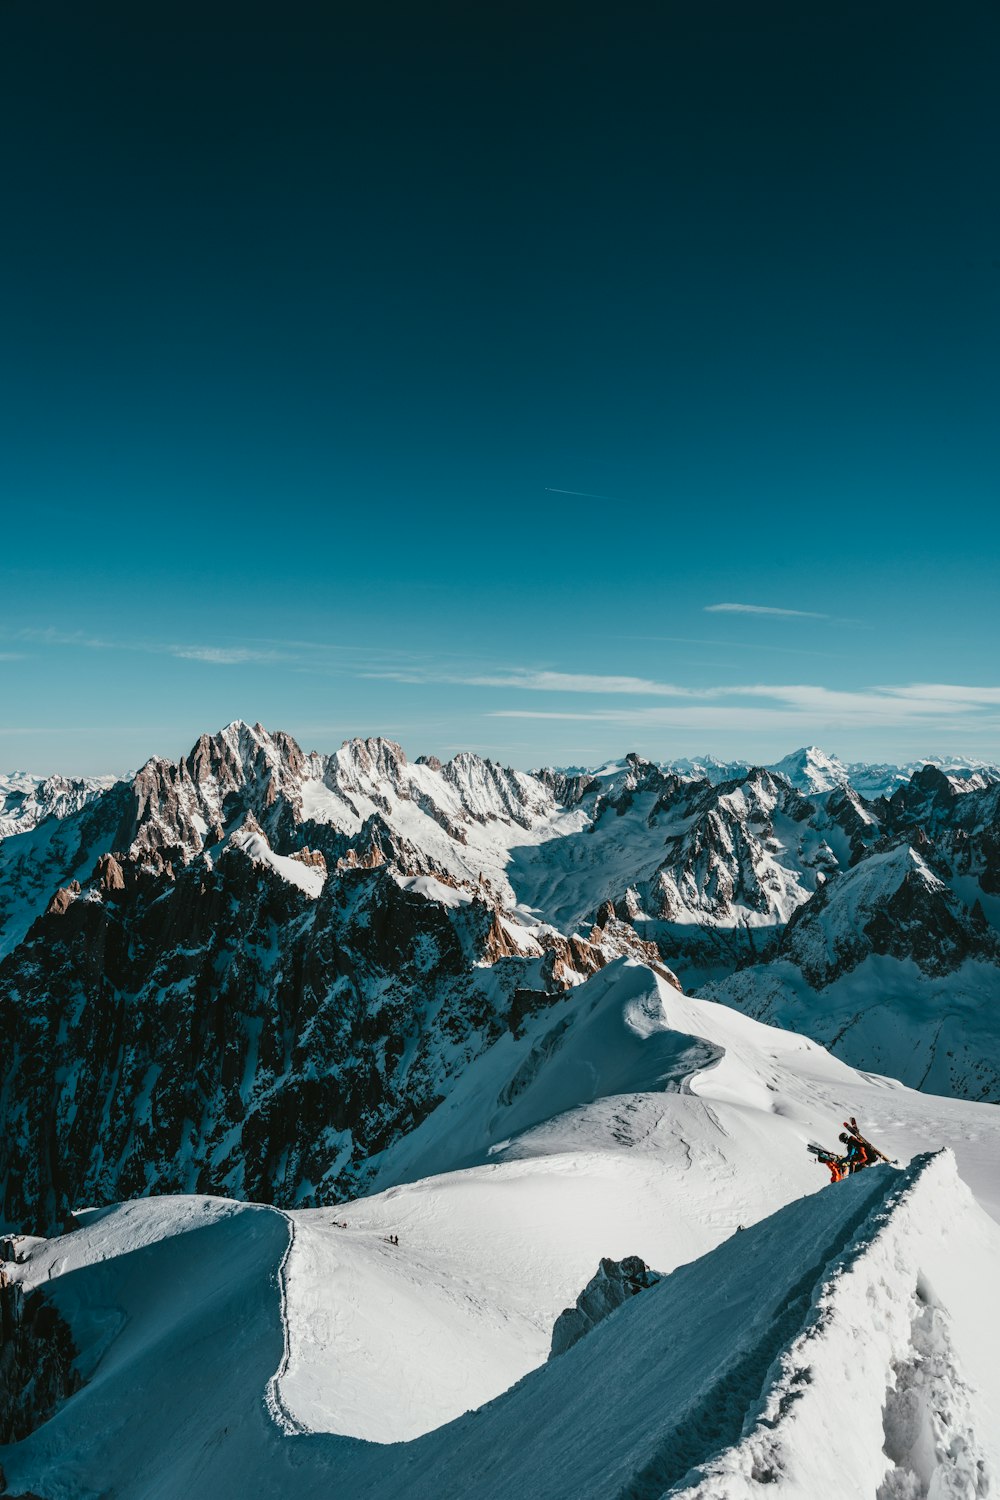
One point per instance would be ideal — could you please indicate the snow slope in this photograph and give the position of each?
(234, 1349)
(864, 1309)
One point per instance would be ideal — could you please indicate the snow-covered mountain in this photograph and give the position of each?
(26, 800)
(885, 965)
(812, 770)
(882, 780)
(260, 971)
(260, 986)
(808, 770)
(227, 1348)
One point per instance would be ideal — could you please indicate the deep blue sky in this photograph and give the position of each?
(310, 315)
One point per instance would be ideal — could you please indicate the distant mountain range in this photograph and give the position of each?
(812, 770)
(258, 971)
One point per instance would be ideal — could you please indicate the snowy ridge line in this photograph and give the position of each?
(912, 1412)
(273, 1399)
(714, 1419)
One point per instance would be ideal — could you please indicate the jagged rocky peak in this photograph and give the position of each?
(362, 763)
(642, 774)
(614, 1282)
(753, 798)
(927, 790)
(240, 753)
(181, 806)
(490, 791)
(567, 787)
(620, 785)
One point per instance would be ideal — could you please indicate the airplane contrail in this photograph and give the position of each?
(550, 489)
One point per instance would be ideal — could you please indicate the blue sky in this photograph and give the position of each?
(442, 378)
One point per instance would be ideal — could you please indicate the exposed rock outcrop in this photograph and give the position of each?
(614, 1282)
(36, 1360)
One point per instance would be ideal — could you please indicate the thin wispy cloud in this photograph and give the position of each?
(49, 636)
(225, 656)
(793, 706)
(537, 681)
(949, 693)
(911, 703)
(550, 489)
(763, 609)
(697, 640)
(215, 655)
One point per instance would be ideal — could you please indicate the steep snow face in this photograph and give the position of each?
(308, 875)
(56, 851)
(247, 1347)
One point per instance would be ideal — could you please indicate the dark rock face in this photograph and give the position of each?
(219, 1030)
(614, 1282)
(36, 1361)
(568, 791)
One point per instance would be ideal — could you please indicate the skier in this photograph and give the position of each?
(837, 1164)
(857, 1156)
(861, 1152)
(838, 1167)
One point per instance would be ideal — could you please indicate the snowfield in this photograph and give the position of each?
(236, 1350)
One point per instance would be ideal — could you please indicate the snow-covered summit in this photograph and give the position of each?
(811, 770)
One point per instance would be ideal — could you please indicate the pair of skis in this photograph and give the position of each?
(826, 1157)
(831, 1157)
(873, 1151)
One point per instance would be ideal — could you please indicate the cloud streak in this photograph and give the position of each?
(225, 656)
(216, 655)
(550, 489)
(792, 706)
(893, 704)
(763, 609)
(524, 679)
